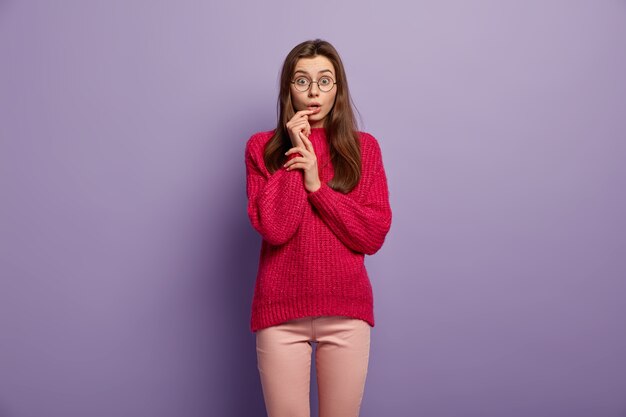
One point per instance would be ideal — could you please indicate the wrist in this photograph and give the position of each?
(315, 187)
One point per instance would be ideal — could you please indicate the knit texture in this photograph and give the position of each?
(314, 243)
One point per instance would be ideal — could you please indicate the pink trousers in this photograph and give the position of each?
(341, 359)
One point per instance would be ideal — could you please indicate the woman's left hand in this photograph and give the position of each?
(307, 162)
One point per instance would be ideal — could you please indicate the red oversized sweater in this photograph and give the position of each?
(314, 243)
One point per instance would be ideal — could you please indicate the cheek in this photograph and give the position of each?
(296, 100)
(331, 100)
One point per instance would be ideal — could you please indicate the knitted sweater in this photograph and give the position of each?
(314, 243)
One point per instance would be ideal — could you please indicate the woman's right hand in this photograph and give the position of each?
(300, 123)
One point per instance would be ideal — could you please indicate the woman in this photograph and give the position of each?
(317, 194)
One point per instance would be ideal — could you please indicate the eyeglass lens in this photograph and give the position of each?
(324, 83)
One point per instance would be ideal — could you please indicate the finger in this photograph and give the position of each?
(306, 112)
(300, 120)
(297, 125)
(296, 149)
(308, 144)
(302, 124)
(296, 121)
(306, 129)
(294, 161)
(297, 165)
(296, 139)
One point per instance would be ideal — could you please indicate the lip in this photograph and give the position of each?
(313, 104)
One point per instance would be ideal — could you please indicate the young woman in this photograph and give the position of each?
(317, 194)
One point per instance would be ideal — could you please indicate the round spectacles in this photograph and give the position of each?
(325, 84)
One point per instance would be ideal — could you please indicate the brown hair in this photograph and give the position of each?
(340, 124)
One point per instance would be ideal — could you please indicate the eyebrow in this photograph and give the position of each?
(324, 70)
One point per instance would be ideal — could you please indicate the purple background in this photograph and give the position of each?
(128, 261)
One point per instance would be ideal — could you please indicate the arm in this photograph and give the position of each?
(361, 226)
(276, 202)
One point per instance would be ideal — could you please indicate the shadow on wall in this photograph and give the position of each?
(240, 393)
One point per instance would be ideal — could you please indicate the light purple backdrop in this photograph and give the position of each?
(128, 261)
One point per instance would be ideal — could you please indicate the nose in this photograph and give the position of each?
(315, 92)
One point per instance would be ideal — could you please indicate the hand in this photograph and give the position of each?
(307, 162)
(300, 123)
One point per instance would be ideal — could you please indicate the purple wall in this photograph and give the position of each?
(127, 260)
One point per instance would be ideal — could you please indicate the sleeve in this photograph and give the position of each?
(361, 225)
(276, 202)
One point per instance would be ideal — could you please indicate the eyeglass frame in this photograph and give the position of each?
(314, 81)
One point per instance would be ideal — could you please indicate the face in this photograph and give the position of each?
(318, 68)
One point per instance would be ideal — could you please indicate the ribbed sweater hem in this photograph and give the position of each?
(279, 312)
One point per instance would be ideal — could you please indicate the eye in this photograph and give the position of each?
(302, 81)
(326, 81)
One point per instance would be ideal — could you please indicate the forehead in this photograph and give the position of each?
(314, 65)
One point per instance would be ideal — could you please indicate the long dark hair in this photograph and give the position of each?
(340, 124)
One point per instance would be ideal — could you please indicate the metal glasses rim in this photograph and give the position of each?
(318, 85)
